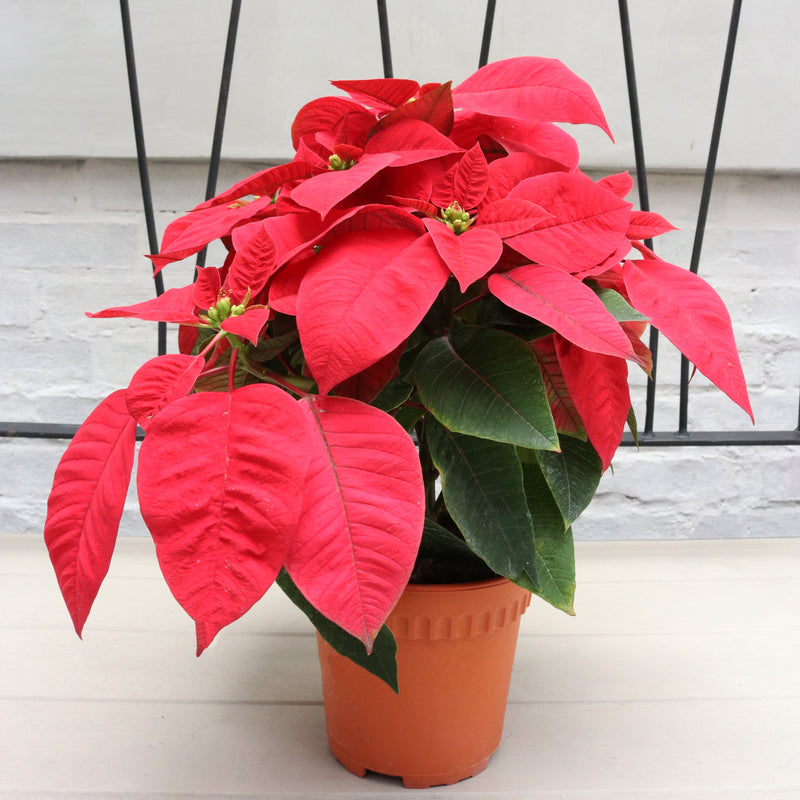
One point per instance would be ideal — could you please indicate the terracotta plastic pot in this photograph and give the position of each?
(455, 651)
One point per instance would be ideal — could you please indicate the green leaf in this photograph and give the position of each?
(617, 305)
(444, 557)
(633, 425)
(267, 349)
(555, 554)
(494, 314)
(484, 493)
(438, 542)
(408, 416)
(382, 662)
(486, 383)
(572, 475)
(392, 395)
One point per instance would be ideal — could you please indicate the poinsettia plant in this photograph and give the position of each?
(412, 365)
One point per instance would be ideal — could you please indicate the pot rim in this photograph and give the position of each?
(470, 586)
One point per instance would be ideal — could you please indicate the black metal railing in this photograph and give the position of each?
(648, 437)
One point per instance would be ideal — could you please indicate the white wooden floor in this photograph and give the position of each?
(678, 679)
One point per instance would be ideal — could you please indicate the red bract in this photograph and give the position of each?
(587, 225)
(598, 386)
(332, 119)
(381, 93)
(160, 381)
(469, 256)
(530, 88)
(222, 496)
(192, 233)
(567, 305)
(361, 523)
(553, 149)
(363, 296)
(430, 262)
(693, 317)
(433, 105)
(86, 501)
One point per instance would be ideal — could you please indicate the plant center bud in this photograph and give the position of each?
(338, 163)
(456, 218)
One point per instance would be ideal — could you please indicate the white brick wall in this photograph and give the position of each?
(63, 82)
(72, 237)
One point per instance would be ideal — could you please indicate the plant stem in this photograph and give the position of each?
(475, 299)
(429, 471)
(447, 305)
(213, 343)
(210, 373)
(232, 369)
(287, 382)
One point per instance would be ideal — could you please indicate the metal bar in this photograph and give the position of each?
(47, 430)
(141, 157)
(222, 107)
(714, 439)
(386, 47)
(705, 198)
(486, 41)
(641, 182)
(44, 430)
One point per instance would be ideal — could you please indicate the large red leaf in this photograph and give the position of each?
(465, 182)
(372, 216)
(174, 305)
(646, 224)
(158, 382)
(363, 510)
(255, 260)
(508, 172)
(568, 306)
(509, 217)
(384, 93)
(528, 88)
(693, 317)
(249, 324)
(339, 115)
(634, 331)
(86, 502)
(565, 415)
(611, 262)
(553, 149)
(364, 294)
(621, 184)
(434, 107)
(195, 230)
(598, 386)
(368, 384)
(266, 182)
(412, 141)
(220, 487)
(471, 178)
(469, 255)
(322, 192)
(291, 232)
(285, 285)
(588, 222)
(187, 339)
(207, 287)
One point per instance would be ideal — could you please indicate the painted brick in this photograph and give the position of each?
(36, 244)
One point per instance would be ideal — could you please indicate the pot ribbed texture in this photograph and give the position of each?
(455, 653)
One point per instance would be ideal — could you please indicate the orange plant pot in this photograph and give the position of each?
(455, 652)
